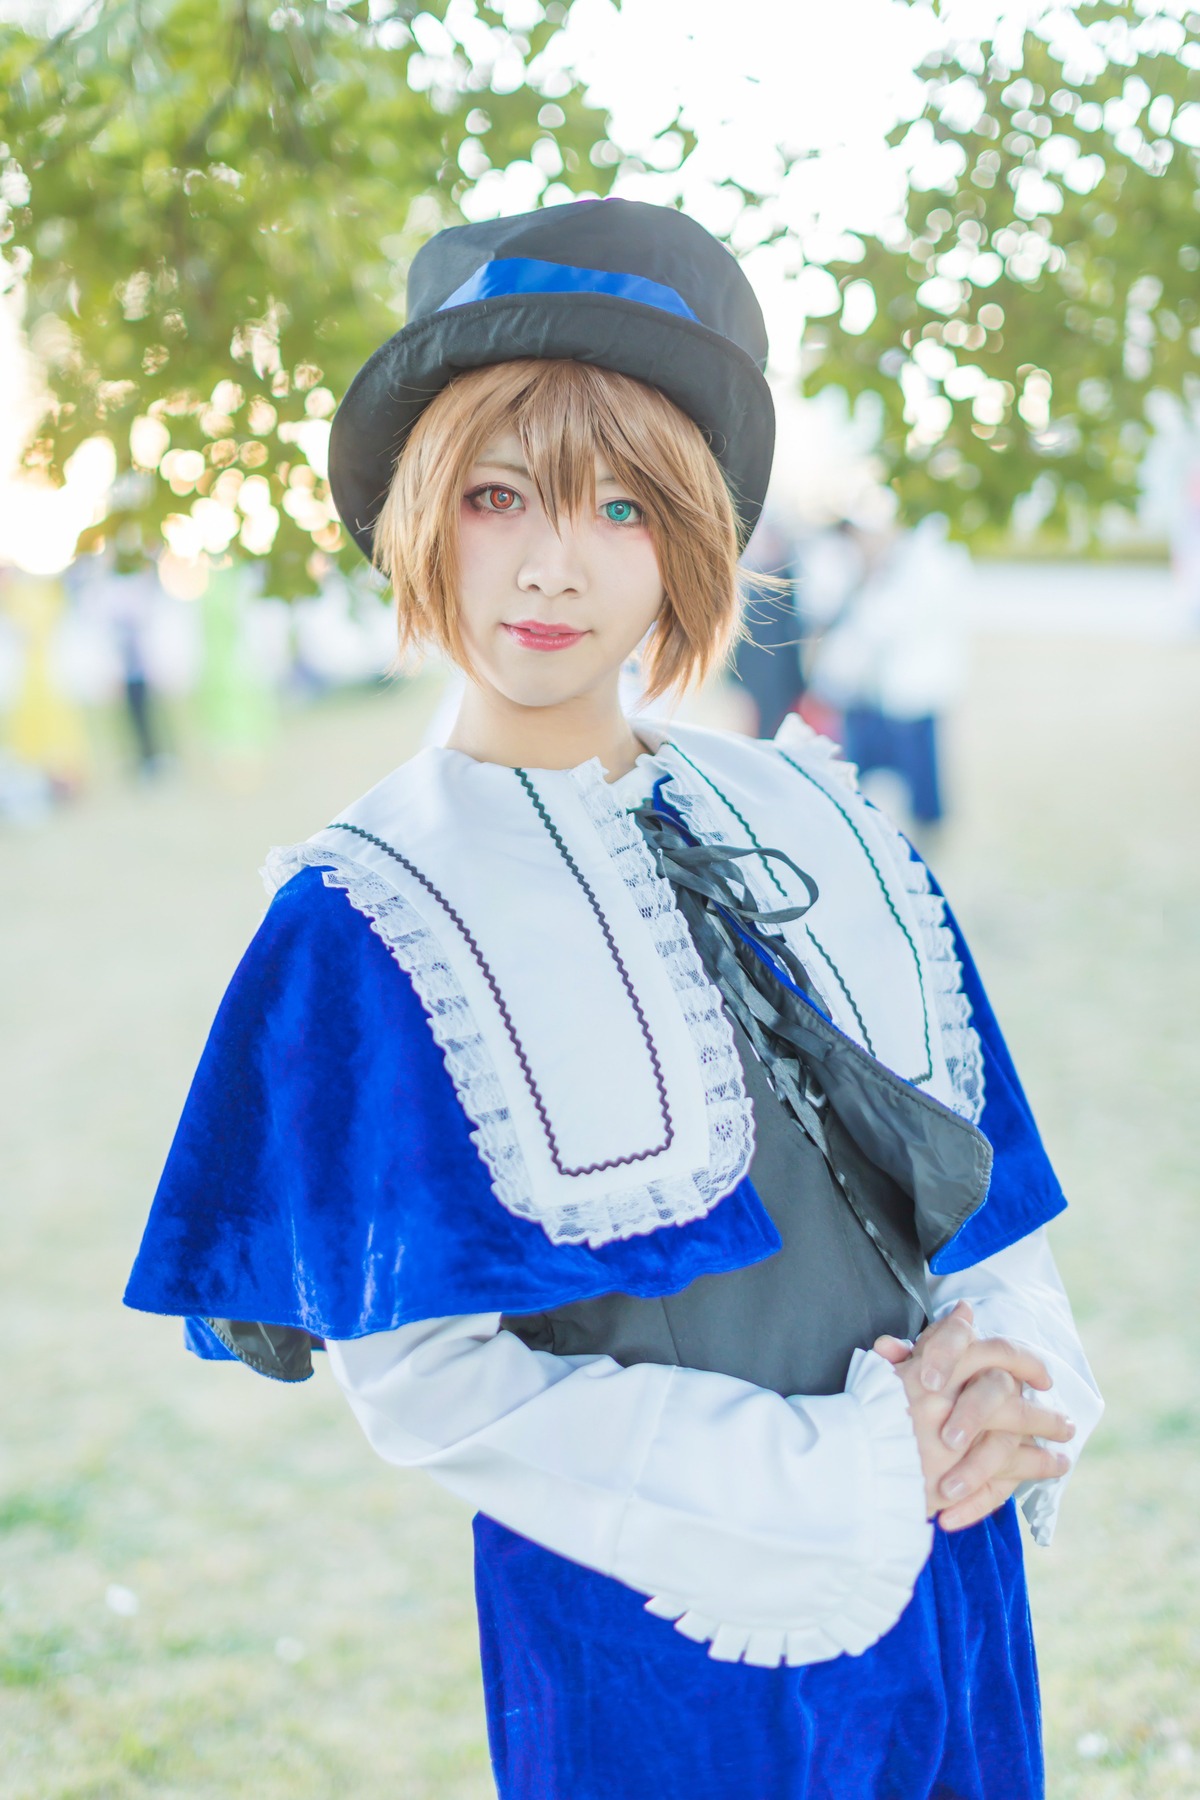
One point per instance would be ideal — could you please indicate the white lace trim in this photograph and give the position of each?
(604, 1218)
(451, 1021)
(960, 1041)
(700, 816)
(903, 1539)
(727, 1106)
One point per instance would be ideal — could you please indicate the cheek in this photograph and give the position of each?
(637, 577)
(485, 557)
(472, 541)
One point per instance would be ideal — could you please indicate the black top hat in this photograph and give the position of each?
(640, 289)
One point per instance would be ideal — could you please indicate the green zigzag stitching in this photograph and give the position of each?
(780, 889)
(917, 1080)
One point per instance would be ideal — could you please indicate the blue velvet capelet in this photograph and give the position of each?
(323, 1174)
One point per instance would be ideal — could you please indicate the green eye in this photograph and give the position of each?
(621, 512)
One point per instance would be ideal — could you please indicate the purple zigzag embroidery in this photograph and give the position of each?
(481, 963)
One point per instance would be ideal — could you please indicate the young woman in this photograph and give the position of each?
(619, 1105)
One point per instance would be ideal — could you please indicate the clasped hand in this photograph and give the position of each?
(975, 1429)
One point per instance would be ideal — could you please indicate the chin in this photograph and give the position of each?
(539, 694)
(546, 681)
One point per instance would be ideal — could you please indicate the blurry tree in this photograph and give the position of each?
(211, 206)
(1045, 279)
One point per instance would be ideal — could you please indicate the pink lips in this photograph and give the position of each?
(532, 635)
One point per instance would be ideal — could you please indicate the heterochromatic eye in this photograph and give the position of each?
(622, 512)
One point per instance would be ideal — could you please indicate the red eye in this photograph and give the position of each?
(492, 496)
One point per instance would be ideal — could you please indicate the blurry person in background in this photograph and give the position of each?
(238, 703)
(893, 661)
(766, 662)
(831, 563)
(124, 607)
(135, 597)
(44, 730)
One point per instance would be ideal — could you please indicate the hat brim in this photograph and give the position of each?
(708, 377)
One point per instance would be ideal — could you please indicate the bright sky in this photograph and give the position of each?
(761, 83)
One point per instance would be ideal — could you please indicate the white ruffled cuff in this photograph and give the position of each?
(1040, 1501)
(1071, 1394)
(903, 1534)
(891, 1501)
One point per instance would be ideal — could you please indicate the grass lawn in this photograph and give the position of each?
(211, 1590)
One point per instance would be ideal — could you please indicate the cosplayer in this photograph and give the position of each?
(618, 1105)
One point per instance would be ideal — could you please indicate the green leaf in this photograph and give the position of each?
(1064, 287)
(230, 196)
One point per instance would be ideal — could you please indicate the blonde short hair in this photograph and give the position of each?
(563, 414)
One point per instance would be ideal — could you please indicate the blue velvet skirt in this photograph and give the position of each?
(590, 1698)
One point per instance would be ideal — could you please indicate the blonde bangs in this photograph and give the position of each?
(564, 414)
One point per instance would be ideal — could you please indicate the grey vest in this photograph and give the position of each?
(863, 1176)
(792, 1322)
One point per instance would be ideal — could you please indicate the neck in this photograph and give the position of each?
(491, 728)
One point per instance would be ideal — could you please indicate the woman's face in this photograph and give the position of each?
(548, 615)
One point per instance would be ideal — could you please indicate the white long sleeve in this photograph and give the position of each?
(774, 1530)
(1018, 1294)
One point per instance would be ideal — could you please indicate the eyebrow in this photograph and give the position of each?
(498, 462)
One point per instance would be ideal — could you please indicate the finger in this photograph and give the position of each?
(1032, 1462)
(993, 1494)
(1035, 1421)
(992, 1402)
(1000, 1455)
(979, 1407)
(976, 1507)
(894, 1349)
(988, 1458)
(942, 1346)
(1002, 1353)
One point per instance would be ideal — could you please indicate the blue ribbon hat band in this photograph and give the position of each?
(526, 275)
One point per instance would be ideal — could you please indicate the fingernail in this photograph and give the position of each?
(933, 1379)
(954, 1488)
(953, 1436)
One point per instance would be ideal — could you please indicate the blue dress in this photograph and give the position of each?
(589, 1697)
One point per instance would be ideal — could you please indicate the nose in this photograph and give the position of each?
(553, 564)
